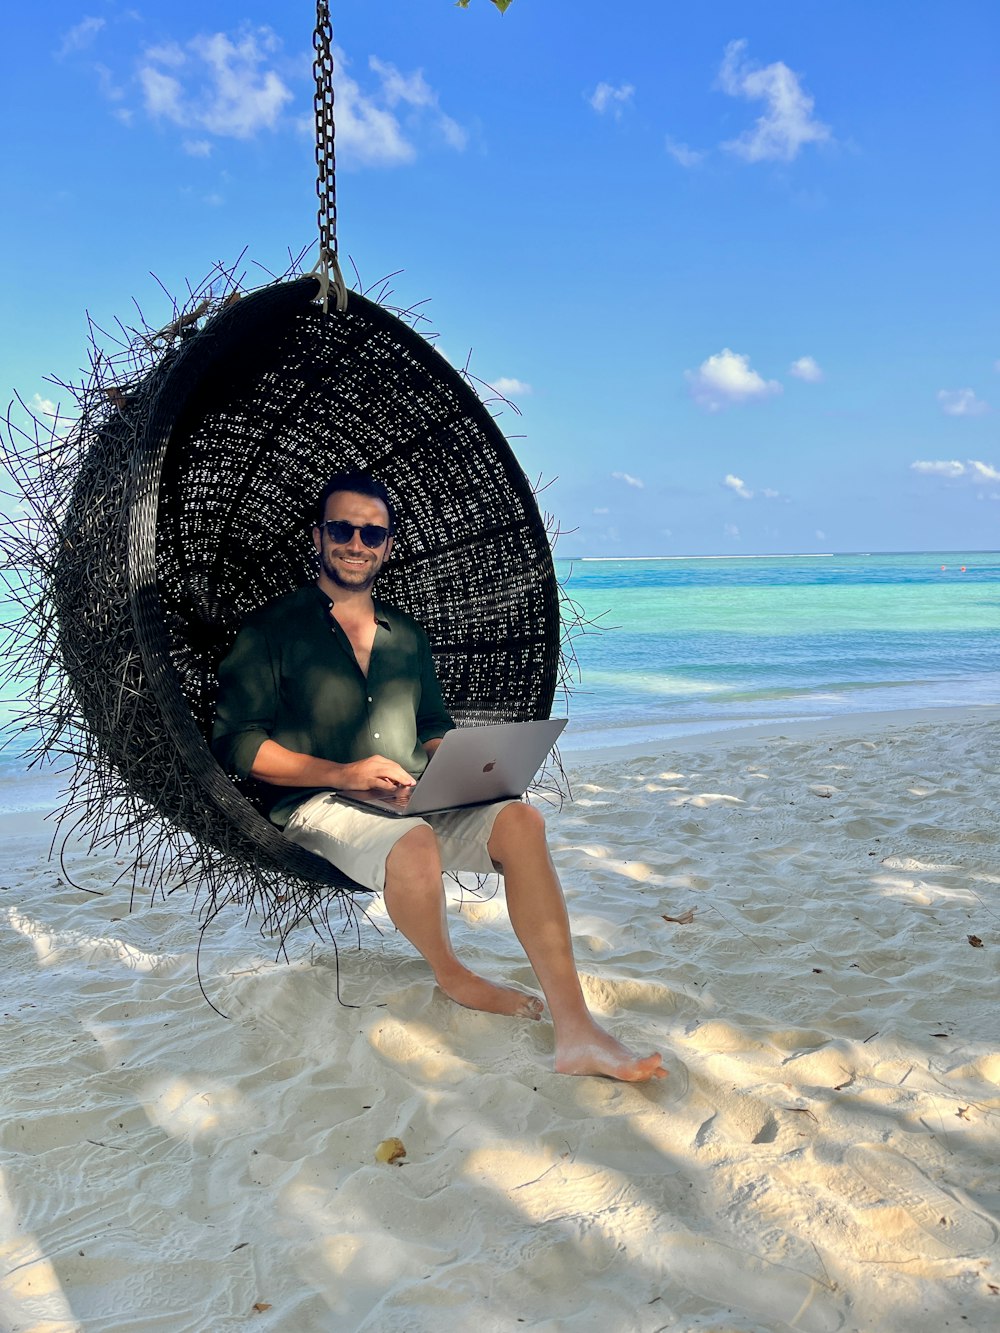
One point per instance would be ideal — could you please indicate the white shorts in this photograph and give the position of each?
(358, 841)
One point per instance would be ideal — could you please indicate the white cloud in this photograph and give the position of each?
(234, 86)
(806, 368)
(961, 403)
(369, 132)
(602, 511)
(453, 133)
(413, 90)
(410, 88)
(739, 487)
(507, 385)
(786, 124)
(80, 36)
(216, 84)
(680, 152)
(163, 95)
(366, 132)
(820, 535)
(167, 53)
(731, 530)
(629, 480)
(727, 379)
(244, 98)
(605, 97)
(939, 467)
(951, 469)
(736, 484)
(50, 421)
(107, 84)
(43, 407)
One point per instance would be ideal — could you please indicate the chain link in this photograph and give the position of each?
(328, 268)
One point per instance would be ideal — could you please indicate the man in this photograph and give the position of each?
(330, 688)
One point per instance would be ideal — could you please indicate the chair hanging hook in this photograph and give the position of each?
(327, 273)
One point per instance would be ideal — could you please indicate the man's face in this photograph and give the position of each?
(352, 564)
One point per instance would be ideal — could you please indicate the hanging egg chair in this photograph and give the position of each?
(183, 500)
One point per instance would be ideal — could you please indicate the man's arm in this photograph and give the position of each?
(245, 709)
(433, 718)
(282, 767)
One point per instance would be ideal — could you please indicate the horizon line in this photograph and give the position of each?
(765, 555)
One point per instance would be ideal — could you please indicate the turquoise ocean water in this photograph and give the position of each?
(709, 643)
(691, 645)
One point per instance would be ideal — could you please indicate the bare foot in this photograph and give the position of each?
(474, 992)
(594, 1051)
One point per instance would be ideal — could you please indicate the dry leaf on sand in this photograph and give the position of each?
(390, 1150)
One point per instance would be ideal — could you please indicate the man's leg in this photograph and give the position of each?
(357, 842)
(538, 914)
(415, 901)
(400, 857)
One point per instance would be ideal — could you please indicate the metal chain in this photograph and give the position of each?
(328, 268)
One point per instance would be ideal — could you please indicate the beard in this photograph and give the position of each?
(359, 580)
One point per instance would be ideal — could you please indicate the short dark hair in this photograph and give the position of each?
(357, 482)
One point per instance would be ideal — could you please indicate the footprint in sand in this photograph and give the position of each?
(951, 1224)
(743, 1282)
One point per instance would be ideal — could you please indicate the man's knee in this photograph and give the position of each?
(516, 824)
(415, 856)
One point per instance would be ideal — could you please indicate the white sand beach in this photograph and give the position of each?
(806, 923)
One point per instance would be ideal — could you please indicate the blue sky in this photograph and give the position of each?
(735, 263)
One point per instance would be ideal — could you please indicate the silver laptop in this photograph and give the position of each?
(471, 766)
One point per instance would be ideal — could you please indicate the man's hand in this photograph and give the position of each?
(376, 772)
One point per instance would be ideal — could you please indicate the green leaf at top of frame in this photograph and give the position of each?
(502, 5)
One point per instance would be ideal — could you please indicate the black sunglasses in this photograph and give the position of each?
(341, 532)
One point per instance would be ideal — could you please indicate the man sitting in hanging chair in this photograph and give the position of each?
(329, 671)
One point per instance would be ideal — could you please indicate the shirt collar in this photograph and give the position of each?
(381, 611)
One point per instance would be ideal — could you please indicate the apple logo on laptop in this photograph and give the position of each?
(488, 768)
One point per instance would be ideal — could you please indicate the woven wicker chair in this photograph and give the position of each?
(192, 506)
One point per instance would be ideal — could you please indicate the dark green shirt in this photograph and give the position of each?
(292, 677)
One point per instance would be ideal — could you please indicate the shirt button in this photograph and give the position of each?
(377, 737)
(370, 699)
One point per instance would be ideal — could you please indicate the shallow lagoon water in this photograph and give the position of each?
(703, 644)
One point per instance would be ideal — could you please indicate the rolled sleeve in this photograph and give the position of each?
(248, 700)
(433, 718)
